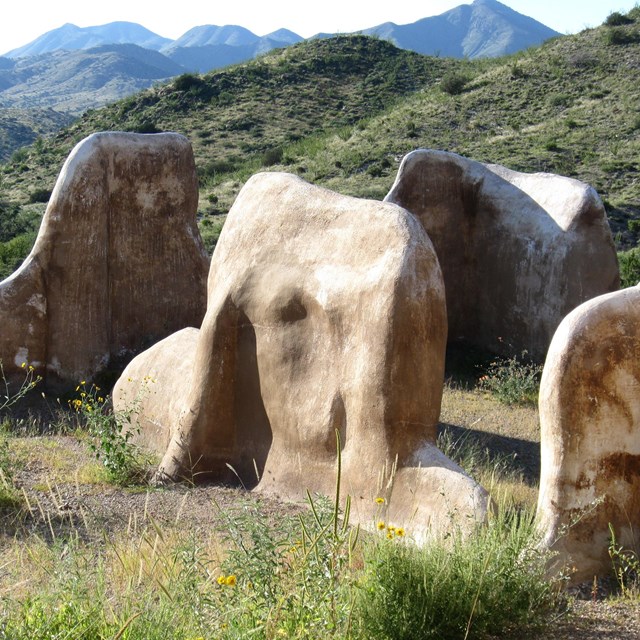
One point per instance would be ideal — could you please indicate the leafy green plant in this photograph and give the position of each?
(626, 566)
(13, 253)
(513, 380)
(629, 262)
(112, 435)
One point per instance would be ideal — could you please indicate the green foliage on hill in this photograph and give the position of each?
(342, 113)
(18, 227)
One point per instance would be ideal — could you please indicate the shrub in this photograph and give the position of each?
(13, 253)
(145, 126)
(487, 584)
(19, 155)
(187, 81)
(40, 195)
(619, 36)
(560, 100)
(454, 83)
(616, 19)
(629, 262)
(513, 380)
(272, 156)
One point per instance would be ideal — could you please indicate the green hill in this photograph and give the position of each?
(343, 112)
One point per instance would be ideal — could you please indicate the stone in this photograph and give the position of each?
(518, 251)
(590, 434)
(118, 262)
(326, 317)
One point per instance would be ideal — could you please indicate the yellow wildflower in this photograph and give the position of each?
(23, 365)
(231, 581)
(400, 532)
(380, 500)
(381, 525)
(222, 579)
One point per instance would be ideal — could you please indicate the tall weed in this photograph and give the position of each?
(112, 434)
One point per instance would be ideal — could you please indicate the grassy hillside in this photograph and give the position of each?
(343, 112)
(22, 127)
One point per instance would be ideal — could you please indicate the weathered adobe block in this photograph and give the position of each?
(518, 251)
(325, 314)
(590, 434)
(118, 262)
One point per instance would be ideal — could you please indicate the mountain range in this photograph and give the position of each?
(485, 28)
(72, 69)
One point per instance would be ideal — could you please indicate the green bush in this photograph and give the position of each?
(454, 83)
(560, 100)
(187, 82)
(629, 262)
(620, 35)
(488, 584)
(40, 195)
(272, 156)
(513, 380)
(13, 253)
(616, 19)
(145, 126)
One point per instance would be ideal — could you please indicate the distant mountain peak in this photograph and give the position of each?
(485, 28)
(70, 37)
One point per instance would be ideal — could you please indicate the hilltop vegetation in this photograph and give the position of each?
(343, 112)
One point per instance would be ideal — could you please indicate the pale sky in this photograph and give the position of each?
(25, 21)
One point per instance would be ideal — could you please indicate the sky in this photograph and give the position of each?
(28, 20)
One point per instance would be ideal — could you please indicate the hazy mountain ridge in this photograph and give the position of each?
(69, 75)
(486, 28)
(483, 28)
(69, 37)
(73, 81)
